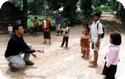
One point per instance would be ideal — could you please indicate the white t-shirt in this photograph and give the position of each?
(44, 21)
(96, 31)
(10, 28)
(65, 31)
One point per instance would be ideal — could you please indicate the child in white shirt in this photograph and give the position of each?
(112, 56)
(10, 29)
(65, 30)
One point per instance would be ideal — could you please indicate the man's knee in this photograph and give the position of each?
(18, 66)
(21, 65)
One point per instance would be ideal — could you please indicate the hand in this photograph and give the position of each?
(40, 51)
(88, 42)
(97, 44)
(34, 55)
(46, 29)
(105, 57)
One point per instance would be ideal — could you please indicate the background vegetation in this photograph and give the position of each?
(75, 11)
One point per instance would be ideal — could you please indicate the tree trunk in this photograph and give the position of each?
(25, 13)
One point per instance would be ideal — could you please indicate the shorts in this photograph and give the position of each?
(94, 47)
(47, 35)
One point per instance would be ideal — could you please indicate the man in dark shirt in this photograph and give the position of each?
(17, 46)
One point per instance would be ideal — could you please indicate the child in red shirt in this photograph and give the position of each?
(85, 41)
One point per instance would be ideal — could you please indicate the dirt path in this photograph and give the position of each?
(61, 63)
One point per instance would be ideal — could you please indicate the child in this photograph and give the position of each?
(65, 30)
(10, 29)
(112, 56)
(46, 25)
(35, 23)
(85, 41)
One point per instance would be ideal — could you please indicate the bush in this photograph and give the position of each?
(39, 18)
(105, 9)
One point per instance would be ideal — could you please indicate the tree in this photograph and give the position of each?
(70, 10)
(86, 7)
(17, 3)
(113, 3)
(9, 12)
(36, 6)
(69, 7)
(55, 4)
(99, 2)
(121, 12)
(25, 13)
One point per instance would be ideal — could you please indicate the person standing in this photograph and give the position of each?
(85, 41)
(96, 32)
(58, 21)
(46, 25)
(35, 23)
(112, 56)
(65, 30)
(10, 29)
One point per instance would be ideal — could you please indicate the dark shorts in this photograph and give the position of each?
(47, 35)
(35, 29)
(109, 72)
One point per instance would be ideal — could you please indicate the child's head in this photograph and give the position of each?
(65, 24)
(57, 12)
(45, 17)
(115, 38)
(35, 18)
(96, 16)
(86, 28)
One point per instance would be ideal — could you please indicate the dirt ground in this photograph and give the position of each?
(62, 63)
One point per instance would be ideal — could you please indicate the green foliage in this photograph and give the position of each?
(121, 13)
(36, 7)
(105, 9)
(114, 4)
(17, 3)
(69, 11)
(39, 19)
(70, 8)
(55, 4)
(100, 2)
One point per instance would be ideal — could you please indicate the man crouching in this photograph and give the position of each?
(17, 46)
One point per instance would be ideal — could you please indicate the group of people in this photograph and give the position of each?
(93, 35)
(61, 28)
(90, 35)
(17, 46)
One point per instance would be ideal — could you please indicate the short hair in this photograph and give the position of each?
(86, 25)
(35, 17)
(16, 27)
(65, 22)
(98, 14)
(115, 38)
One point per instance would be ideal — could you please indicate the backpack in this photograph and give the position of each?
(103, 29)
